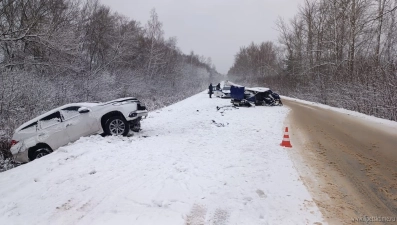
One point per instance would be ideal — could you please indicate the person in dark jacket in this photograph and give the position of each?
(218, 86)
(211, 91)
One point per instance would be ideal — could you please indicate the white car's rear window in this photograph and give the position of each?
(29, 128)
(50, 120)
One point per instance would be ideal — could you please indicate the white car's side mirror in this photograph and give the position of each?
(83, 110)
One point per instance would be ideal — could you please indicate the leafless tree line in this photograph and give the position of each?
(255, 63)
(54, 52)
(337, 52)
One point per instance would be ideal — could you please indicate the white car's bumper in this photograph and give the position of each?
(21, 157)
(136, 114)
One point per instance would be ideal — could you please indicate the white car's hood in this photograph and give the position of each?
(120, 100)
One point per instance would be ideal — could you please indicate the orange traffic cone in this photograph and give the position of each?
(286, 143)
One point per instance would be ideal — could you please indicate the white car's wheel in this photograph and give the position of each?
(40, 152)
(117, 126)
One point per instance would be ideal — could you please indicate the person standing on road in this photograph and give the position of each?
(210, 92)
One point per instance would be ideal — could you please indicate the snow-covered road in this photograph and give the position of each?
(191, 164)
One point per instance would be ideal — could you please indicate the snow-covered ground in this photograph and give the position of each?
(191, 164)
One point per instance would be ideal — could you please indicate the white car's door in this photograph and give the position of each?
(52, 131)
(77, 124)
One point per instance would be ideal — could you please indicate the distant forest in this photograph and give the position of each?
(54, 52)
(336, 52)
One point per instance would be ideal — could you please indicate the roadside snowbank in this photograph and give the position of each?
(192, 164)
(390, 123)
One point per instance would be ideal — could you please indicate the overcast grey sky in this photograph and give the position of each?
(213, 28)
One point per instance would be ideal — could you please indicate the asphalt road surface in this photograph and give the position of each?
(349, 164)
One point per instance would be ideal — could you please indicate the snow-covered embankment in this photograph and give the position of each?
(191, 164)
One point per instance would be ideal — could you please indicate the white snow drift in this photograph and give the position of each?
(192, 164)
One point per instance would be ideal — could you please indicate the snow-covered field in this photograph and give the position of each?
(191, 164)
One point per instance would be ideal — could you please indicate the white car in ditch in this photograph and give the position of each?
(56, 128)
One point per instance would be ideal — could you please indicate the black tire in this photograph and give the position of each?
(280, 103)
(136, 127)
(117, 125)
(40, 152)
